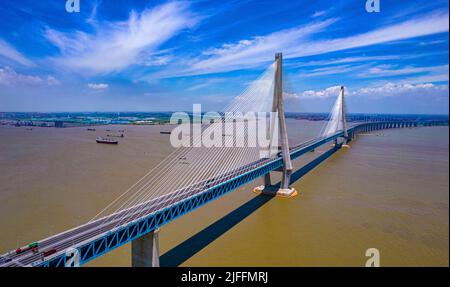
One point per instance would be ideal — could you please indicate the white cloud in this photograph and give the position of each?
(393, 89)
(389, 70)
(436, 42)
(319, 13)
(427, 78)
(52, 81)
(371, 71)
(157, 60)
(318, 94)
(247, 53)
(99, 86)
(298, 42)
(116, 46)
(9, 77)
(433, 23)
(345, 60)
(205, 84)
(381, 91)
(333, 70)
(9, 52)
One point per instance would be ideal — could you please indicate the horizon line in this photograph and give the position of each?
(172, 111)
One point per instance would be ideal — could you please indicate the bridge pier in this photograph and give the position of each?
(267, 180)
(145, 250)
(335, 142)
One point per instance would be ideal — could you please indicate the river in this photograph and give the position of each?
(388, 191)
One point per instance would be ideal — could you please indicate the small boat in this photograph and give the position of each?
(165, 132)
(116, 136)
(106, 140)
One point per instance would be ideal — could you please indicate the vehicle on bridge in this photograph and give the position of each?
(49, 252)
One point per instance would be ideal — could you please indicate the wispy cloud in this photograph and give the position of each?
(206, 83)
(298, 42)
(99, 86)
(118, 45)
(325, 93)
(92, 19)
(346, 60)
(391, 70)
(9, 77)
(372, 71)
(334, 70)
(407, 74)
(319, 13)
(433, 78)
(392, 89)
(433, 23)
(432, 43)
(386, 90)
(155, 60)
(9, 52)
(247, 53)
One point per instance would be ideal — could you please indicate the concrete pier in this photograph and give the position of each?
(275, 190)
(145, 250)
(267, 180)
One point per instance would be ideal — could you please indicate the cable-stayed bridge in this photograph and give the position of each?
(193, 176)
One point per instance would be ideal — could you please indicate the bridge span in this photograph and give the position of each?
(86, 242)
(139, 223)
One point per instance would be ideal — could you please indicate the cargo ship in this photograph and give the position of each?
(106, 140)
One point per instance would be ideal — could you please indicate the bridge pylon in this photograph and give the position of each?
(344, 118)
(341, 118)
(284, 190)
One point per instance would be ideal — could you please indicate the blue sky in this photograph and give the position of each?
(157, 55)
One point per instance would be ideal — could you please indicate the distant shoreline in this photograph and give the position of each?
(84, 119)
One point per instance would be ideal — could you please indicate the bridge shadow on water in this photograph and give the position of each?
(185, 250)
(197, 242)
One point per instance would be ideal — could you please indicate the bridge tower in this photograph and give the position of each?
(339, 120)
(344, 118)
(284, 190)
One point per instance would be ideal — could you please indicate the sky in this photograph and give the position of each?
(126, 55)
